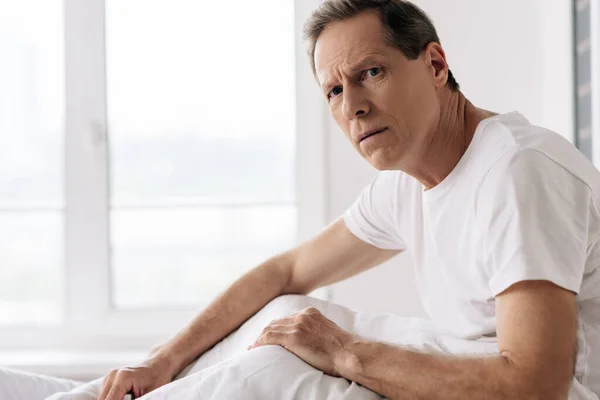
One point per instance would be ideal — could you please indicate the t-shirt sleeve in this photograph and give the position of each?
(533, 218)
(373, 216)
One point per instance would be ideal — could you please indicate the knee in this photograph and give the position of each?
(281, 307)
(287, 304)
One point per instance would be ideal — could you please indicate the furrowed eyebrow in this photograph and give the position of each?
(357, 67)
(363, 64)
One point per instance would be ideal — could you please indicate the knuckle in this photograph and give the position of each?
(268, 335)
(303, 318)
(297, 328)
(110, 376)
(313, 311)
(123, 374)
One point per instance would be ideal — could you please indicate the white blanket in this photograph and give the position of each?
(230, 371)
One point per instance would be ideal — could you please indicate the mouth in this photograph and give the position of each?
(367, 135)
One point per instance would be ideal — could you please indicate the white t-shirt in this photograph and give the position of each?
(521, 204)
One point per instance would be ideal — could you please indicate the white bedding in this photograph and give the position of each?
(230, 371)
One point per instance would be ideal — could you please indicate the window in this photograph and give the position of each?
(150, 154)
(587, 77)
(31, 166)
(201, 144)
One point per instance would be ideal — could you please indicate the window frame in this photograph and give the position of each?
(595, 78)
(89, 321)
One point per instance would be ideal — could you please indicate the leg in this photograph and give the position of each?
(411, 332)
(230, 371)
(17, 385)
(238, 341)
(265, 373)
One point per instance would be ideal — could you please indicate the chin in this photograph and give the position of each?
(381, 161)
(386, 156)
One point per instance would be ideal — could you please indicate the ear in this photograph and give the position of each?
(436, 60)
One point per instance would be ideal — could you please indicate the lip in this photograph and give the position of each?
(368, 133)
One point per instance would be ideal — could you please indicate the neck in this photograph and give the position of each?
(449, 140)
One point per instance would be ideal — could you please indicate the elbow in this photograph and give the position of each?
(536, 390)
(548, 390)
(528, 387)
(293, 280)
(293, 287)
(537, 394)
(538, 383)
(284, 266)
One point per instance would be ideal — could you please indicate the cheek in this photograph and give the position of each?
(341, 122)
(417, 105)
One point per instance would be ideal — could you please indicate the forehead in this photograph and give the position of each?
(347, 41)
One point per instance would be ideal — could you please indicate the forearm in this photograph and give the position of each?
(232, 308)
(403, 374)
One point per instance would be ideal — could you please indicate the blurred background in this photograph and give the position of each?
(153, 151)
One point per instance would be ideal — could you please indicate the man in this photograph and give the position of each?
(501, 217)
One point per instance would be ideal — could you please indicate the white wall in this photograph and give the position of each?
(507, 55)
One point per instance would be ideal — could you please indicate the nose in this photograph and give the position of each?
(355, 104)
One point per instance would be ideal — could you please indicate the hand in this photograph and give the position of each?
(140, 380)
(311, 336)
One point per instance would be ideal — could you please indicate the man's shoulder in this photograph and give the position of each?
(547, 162)
(529, 176)
(520, 150)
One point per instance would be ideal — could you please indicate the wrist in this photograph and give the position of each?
(164, 359)
(346, 360)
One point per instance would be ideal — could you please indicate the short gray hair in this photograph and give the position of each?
(406, 25)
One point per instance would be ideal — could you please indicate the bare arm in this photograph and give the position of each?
(536, 336)
(332, 255)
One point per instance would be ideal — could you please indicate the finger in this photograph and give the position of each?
(312, 310)
(281, 327)
(290, 326)
(119, 390)
(277, 323)
(307, 310)
(107, 385)
(281, 321)
(271, 337)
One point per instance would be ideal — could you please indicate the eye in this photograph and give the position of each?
(372, 72)
(335, 92)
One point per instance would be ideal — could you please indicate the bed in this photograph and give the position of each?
(230, 371)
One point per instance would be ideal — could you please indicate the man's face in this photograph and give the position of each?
(371, 86)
